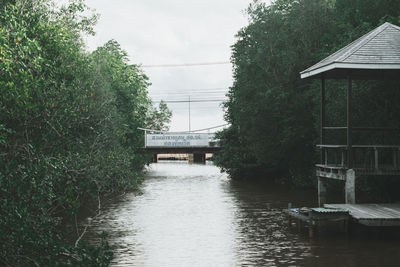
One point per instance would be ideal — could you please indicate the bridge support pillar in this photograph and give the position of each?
(155, 158)
(199, 158)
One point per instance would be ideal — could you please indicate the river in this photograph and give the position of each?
(193, 215)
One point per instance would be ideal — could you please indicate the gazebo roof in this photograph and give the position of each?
(377, 52)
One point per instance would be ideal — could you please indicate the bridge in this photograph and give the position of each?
(192, 143)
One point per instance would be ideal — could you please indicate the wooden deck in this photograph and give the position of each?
(372, 214)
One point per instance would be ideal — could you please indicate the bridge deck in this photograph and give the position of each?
(181, 150)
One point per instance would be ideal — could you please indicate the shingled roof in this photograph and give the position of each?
(376, 50)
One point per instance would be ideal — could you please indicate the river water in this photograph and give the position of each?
(193, 215)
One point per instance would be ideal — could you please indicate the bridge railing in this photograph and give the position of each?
(181, 139)
(197, 138)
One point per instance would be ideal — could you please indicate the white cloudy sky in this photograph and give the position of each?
(157, 32)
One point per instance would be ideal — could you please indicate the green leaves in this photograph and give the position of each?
(274, 114)
(68, 130)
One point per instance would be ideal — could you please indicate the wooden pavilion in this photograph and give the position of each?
(374, 56)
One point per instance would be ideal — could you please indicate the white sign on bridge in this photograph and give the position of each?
(177, 140)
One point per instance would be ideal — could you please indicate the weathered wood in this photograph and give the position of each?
(376, 159)
(349, 124)
(313, 218)
(342, 158)
(331, 146)
(333, 167)
(372, 129)
(331, 175)
(372, 165)
(376, 146)
(326, 156)
(380, 129)
(311, 232)
(322, 128)
(358, 146)
(372, 214)
(335, 128)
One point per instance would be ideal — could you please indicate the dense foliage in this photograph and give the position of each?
(274, 115)
(68, 130)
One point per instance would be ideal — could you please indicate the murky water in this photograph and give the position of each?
(192, 215)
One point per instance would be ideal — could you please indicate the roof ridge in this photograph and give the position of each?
(375, 41)
(393, 25)
(342, 49)
(365, 39)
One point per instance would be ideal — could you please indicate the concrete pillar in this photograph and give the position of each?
(155, 158)
(350, 187)
(199, 158)
(321, 191)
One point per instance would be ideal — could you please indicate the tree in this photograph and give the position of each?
(273, 113)
(158, 118)
(68, 133)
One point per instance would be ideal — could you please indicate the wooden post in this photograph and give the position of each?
(376, 156)
(342, 162)
(310, 232)
(326, 156)
(346, 226)
(323, 119)
(299, 225)
(349, 124)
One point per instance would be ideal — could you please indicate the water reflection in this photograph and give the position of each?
(192, 215)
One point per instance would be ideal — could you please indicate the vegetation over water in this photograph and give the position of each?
(68, 130)
(274, 115)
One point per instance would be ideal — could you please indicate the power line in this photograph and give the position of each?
(201, 95)
(186, 64)
(193, 89)
(189, 93)
(198, 130)
(185, 97)
(205, 102)
(186, 101)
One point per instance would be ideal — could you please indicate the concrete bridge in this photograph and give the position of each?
(196, 144)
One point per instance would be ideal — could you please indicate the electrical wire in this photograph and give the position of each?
(191, 101)
(186, 64)
(198, 130)
(192, 89)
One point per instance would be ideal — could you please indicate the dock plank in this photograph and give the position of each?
(372, 214)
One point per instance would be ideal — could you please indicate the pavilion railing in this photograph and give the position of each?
(367, 158)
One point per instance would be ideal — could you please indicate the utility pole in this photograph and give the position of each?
(189, 115)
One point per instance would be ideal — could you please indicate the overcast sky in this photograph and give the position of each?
(177, 32)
